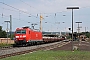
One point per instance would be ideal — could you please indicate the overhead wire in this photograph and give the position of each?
(29, 6)
(24, 11)
(16, 9)
(8, 9)
(14, 18)
(40, 10)
(32, 7)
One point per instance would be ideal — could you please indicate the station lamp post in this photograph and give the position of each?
(7, 29)
(78, 31)
(72, 8)
(10, 26)
(78, 26)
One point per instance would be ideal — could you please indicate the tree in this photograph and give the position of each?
(0, 28)
(86, 33)
(3, 34)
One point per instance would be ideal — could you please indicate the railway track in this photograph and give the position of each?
(22, 50)
(6, 47)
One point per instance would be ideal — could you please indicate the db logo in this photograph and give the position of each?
(20, 36)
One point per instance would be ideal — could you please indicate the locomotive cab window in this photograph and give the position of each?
(18, 32)
(21, 32)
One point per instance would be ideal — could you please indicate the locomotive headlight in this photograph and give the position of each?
(27, 41)
(17, 36)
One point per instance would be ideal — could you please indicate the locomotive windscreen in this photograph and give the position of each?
(21, 32)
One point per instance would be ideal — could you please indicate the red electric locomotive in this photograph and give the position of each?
(26, 35)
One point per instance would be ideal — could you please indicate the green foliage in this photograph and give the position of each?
(3, 34)
(68, 37)
(11, 36)
(87, 34)
(0, 28)
(3, 45)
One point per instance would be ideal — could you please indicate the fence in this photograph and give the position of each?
(6, 41)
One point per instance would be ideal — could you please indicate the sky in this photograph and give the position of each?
(55, 15)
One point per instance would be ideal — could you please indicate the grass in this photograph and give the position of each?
(3, 45)
(53, 55)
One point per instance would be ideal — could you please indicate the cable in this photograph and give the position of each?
(16, 8)
(14, 18)
(8, 9)
(30, 5)
(24, 11)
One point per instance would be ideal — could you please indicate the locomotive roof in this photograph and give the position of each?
(25, 27)
(28, 28)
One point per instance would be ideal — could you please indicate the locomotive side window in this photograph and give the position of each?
(29, 32)
(21, 32)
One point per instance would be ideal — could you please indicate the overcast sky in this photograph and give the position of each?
(24, 11)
